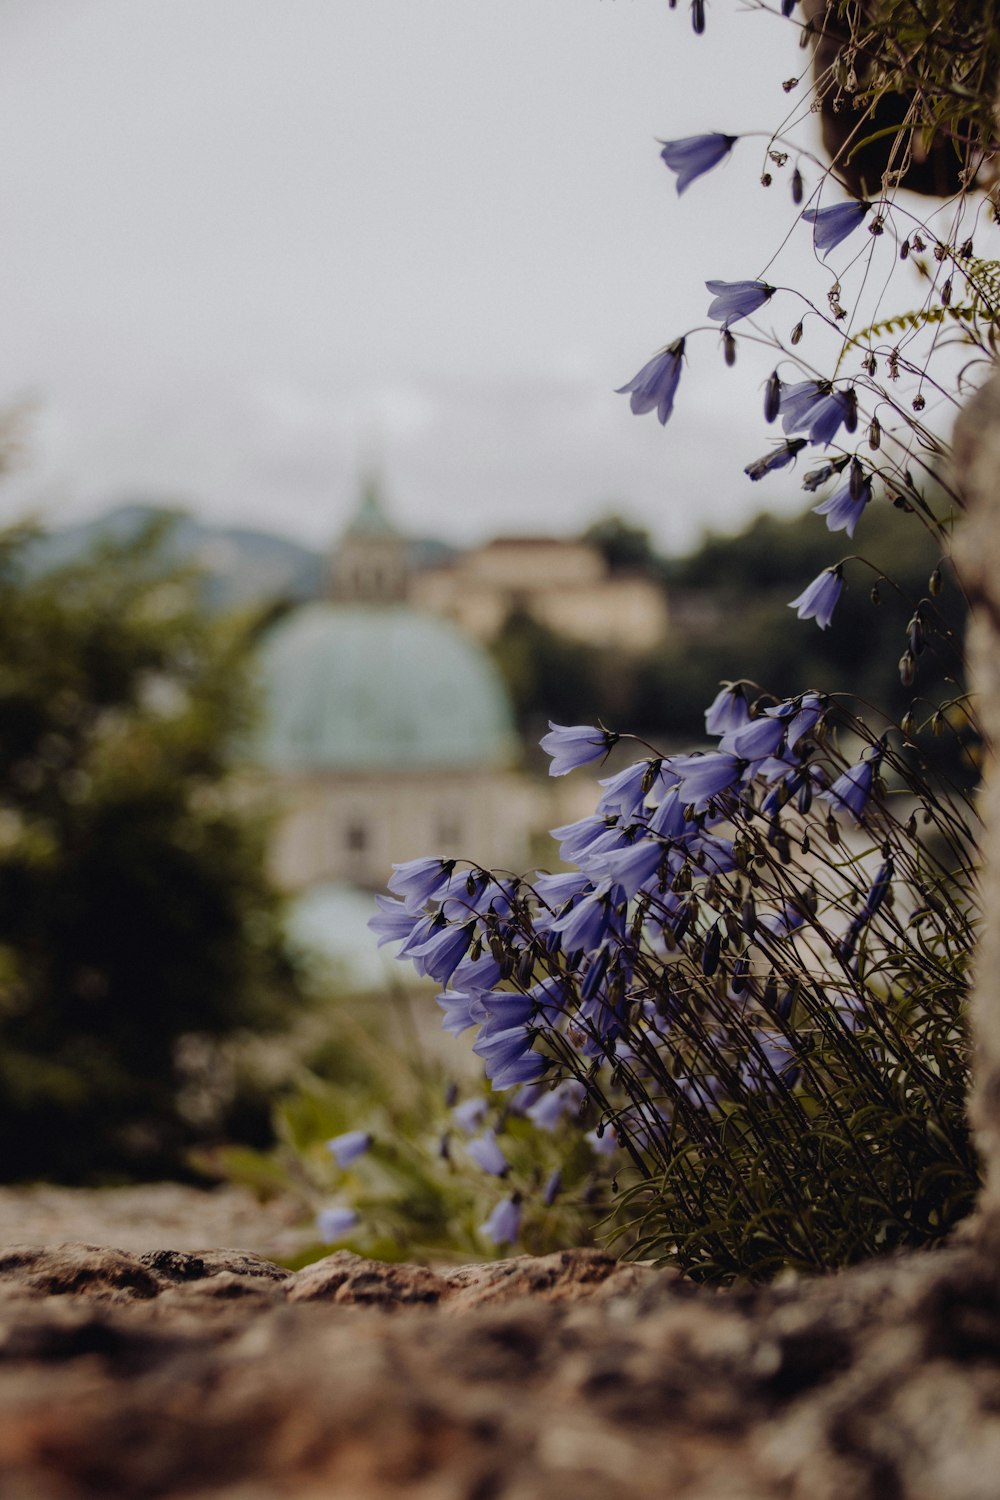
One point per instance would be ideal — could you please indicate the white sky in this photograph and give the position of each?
(249, 246)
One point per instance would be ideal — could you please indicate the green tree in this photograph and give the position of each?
(136, 921)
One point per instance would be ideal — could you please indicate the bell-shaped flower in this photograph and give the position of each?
(695, 155)
(733, 300)
(480, 973)
(778, 458)
(819, 600)
(573, 745)
(669, 819)
(504, 1224)
(843, 509)
(556, 890)
(487, 1154)
(586, 925)
(470, 1114)
(393, 921)
(853, 789)
(728, 709)
(554, 1104)
(461, 1010)
(760, 738)
(633, 866)
(335, 1223)
(625, 791)
(818, 477)
(348, 1147)
(656, 384)
(421, 880)
(507, 1057)
(832, 225)
(703, 777)
(444, 950)
(806, 714)
(879, 891)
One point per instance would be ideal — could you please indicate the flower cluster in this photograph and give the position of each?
(735, 983)
(653, 979)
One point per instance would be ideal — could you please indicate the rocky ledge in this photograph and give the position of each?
(217, 1375)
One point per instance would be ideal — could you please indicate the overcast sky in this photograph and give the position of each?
(250, 247)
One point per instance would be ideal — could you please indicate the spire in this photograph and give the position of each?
(370, 518)
(370, 563)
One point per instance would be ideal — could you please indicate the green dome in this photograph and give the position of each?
(377, 687)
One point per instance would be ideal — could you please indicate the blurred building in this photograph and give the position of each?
(387, 731)
(563, 584)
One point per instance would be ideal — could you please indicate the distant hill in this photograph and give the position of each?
(241, 565)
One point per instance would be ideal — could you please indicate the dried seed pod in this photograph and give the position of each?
(772, 397)
(934, 583)
(875, 433)
(729, 348)
(796, 334)
(907, 668)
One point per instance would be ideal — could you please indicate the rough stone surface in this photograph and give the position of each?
(217, 1375)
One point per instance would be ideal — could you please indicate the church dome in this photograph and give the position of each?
(356, 688)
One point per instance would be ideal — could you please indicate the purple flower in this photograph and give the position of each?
(853, 789)
(585, 926)
(487, 1154)
(879, 891)
(833, 224)
(444, 950)
(556, 890)
(480, 973)
(508, 1058)
(392, 921)
(573, 745)
(420, 880)
(550, 1107)
(819, 600)
(836, 407)
(470, 1114)
(727, 710)
(797, 402)
(760, 738)
(348, 1147)
(807, 713)
(461, 1011)
(777, 459)
(695, 155)
(504, 1224)
(634, 865)
(737, 299)
(703, 777)
(333, 1224)
(669, 820)
(817, 477)
(552, 1188)
(843, 509)
(625, 790)
(656, 383)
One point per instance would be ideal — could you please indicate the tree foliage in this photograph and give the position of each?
(134, 911)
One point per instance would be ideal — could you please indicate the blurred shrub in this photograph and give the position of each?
(137, 927)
